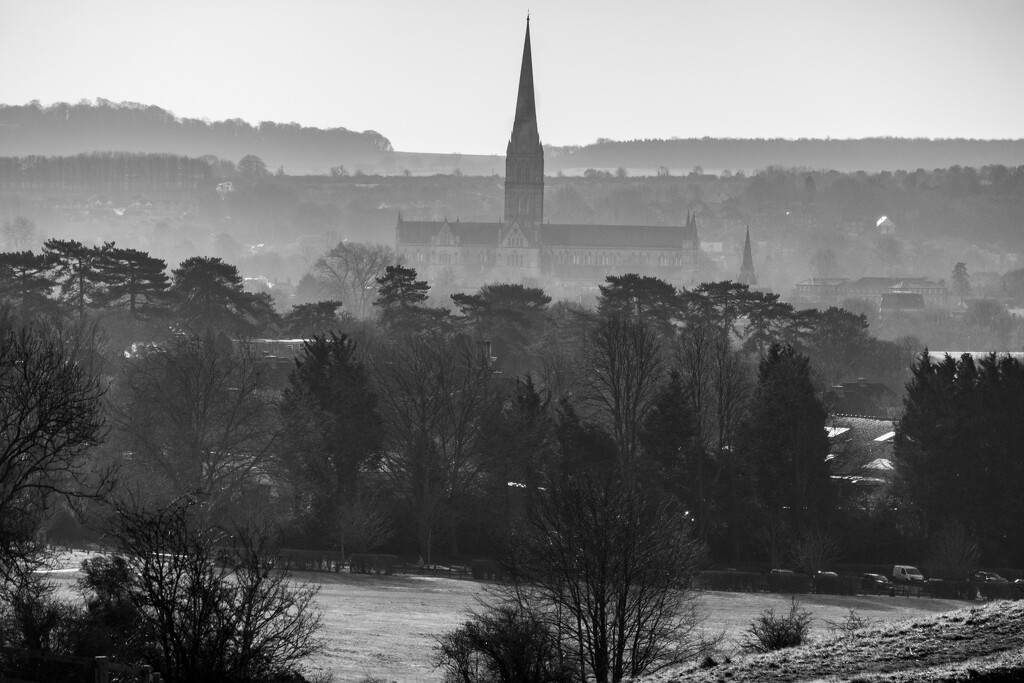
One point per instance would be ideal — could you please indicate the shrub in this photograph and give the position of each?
(991, 590)
(485, 570)
(770, 632)
(789, 583)
(740, 582)
(951, 590)
(849, 624)
(31, 616)
(368, 563)
(837, 585)
(509, 643)
(197, 619)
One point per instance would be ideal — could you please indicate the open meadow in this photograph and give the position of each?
(384, 626)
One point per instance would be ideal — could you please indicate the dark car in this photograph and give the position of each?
(874, 583)
(985, 577)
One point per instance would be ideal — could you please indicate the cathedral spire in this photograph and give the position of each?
(747, 275)
(524, 130)
(524, 158)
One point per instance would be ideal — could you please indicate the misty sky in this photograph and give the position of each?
(441, 75)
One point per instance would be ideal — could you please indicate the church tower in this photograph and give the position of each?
(524, 159)
(747, 275)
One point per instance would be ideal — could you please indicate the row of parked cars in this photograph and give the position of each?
(904, 575)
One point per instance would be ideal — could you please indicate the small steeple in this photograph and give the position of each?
(747, 275)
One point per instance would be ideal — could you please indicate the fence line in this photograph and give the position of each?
(101, 667)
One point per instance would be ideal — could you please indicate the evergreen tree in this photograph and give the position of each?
(26, 283)
(330, 415)
(641, 298)
(961, 281)
(131, 279)
(671, 446)
(784, 443)
(307, 320)
(957, 450)
(209, 296)
(401, 298)
(76, 270)
(510, 316)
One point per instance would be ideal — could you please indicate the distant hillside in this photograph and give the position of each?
(717, 154)
(70, 129)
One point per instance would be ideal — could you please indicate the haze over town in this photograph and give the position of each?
(661, 336)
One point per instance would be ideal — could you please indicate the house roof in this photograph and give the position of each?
(902, 301)
(615, 236)
(551, 234)
(864, 440)
(468, 233)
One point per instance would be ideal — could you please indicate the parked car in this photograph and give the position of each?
(985, 577)
(781, 571)
(904, 573)
(874, 583)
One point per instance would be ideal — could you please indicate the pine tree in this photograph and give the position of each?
(401, 298)
(76, 270)
(209, 296)
(26, 282)
(330, 414)
(784, 443)
(957, 451)
(131, 279)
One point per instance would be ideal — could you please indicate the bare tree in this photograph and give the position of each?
(717, 387)
(207, 604)
(774, 536)
(954, 552)
(19, 234)
(362, 526)
(50, 417)
(611, 569)
(436, 393)
(349, 272)
(198, 416)
(815, 548)
(624, 359)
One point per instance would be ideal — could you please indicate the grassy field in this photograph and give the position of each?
(979, 642)
(385, 626)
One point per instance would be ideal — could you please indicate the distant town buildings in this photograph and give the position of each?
(909, 293)
(522, 247)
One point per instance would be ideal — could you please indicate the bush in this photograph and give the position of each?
(367, 563)
(849, 625)
(837, 585)
(737, 582)
(768, 632)
(789, 583)
(509, 643)
(31, 616)
(950, 590)
(312, 560)
(485, 570)
(195, 618)
(991, 590)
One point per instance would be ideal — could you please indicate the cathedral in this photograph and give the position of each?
(522, 248)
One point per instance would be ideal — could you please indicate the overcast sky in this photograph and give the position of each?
(441, 75)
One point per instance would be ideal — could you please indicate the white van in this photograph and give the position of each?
(904, 573)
